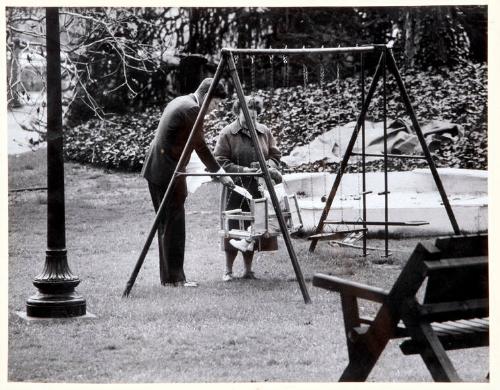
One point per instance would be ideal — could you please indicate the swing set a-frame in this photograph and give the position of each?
(386, 60)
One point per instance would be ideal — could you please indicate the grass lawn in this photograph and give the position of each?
(243, 331)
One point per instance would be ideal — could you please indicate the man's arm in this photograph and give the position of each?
(199, 144)
(205, 154)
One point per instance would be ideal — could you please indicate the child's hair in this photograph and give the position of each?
(253, 102)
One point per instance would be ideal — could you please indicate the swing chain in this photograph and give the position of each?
(235, 59)
(306, 76)
(252, 59)
(285, 73)
(321, 75)
(271, 81)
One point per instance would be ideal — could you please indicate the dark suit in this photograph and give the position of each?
(164, 153)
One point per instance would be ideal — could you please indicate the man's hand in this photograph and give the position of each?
(225, 180)
(250, 170)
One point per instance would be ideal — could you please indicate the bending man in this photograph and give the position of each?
(164, 153)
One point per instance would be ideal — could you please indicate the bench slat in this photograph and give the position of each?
(461, 262)
(466, 338)
(449, 311)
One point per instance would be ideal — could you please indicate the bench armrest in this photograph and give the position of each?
(347, 287)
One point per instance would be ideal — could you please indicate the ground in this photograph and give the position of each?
(243, 331)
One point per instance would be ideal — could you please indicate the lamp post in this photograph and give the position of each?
(56, 296)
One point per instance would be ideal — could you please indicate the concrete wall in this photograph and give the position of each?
(413, 197)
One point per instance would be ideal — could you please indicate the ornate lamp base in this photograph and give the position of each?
(56, 296)
(56, 305)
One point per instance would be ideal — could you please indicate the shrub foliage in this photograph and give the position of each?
(296, 115)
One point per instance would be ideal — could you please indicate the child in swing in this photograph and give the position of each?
(247, 244)
(235, 152)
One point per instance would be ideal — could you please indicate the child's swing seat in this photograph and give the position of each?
(259, 220)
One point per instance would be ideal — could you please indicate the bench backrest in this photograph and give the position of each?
(464, 274)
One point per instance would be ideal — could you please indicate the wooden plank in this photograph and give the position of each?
(376, 223)
(449, 311)
(235, 217)
(442, 329)
(370, 248)
(333, 235)
(461, 262)
(463, 245)
(450, 342)
(350, 313)
(456, 327)
(485, 322)
(457, 284)
(347, 287)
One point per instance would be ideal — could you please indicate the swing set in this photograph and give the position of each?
(288, 217)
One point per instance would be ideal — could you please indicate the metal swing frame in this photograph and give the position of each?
(386, 62)
(386, 59)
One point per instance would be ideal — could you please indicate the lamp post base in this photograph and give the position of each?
(56, 296)
(56, 305)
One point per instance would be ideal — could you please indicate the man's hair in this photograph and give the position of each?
(219, 91)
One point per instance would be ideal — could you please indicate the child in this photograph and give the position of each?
(247, 244)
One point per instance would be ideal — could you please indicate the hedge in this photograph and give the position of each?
(297, 115)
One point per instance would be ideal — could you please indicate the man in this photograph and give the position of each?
(164, 153)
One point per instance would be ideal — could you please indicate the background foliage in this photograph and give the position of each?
(120, 67)
(297, 115)
(119, 60)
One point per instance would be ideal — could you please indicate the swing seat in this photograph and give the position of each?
(291, 213)
(260, 219)
(335, 235)
(258, 227)
(257, 217)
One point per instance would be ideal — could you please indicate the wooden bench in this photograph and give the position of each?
(439, 302)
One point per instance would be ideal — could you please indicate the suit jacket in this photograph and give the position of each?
(170, 138)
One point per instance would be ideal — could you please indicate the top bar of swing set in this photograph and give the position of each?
(319, 50)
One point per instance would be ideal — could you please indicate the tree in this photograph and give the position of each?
(434, 37)
(120, 59)
(109, 55)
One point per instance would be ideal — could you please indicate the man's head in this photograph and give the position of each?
(218, 94)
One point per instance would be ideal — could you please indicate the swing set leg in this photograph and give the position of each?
(406, 99)
(226, 58)
(182, 161)
(267, 177)
(386, 61)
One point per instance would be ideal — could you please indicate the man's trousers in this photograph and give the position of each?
(171, 231)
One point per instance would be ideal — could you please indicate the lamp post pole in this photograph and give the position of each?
(56, 296)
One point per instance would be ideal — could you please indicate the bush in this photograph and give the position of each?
(120, 142)
(296, 116)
